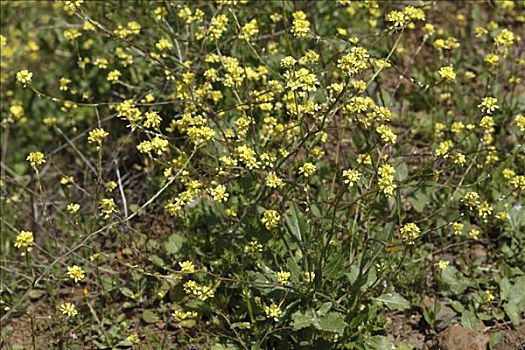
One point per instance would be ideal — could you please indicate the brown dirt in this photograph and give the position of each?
(460, 338)
(513, 340)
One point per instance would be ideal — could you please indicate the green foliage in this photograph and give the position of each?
(259, 174)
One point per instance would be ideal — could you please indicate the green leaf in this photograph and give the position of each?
(454, 279)
(401, 172)
(174, 244)
(469, 320)
(157, 260)
(419, 201)
(295, 271)
(333, 322)
(224, 347)
(124, 344)
(511, 309)
(494, 340)
(188, 323)
(150, 317)
(378, 342)
(127, 292)
(457, 306)
(324, 308)
(517, 218)
(35, 293)
(516, 294)
(394, 301)
(305, 320)
(296, 223)
(504, 288)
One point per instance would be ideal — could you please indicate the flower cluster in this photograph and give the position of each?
(36, 159)
(410, 232)
(386, 179)
(270, 219)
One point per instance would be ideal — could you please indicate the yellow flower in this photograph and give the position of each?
(72, 34)
(24, 77)
(364, 159)
(520, 121)
(401, 19)
(88, 26)
(492, 59)
(68, 309)
(249, 30)
(447, 73)
(457, 127)
(410, 232)
(107, 207)
(219, 193)
(470, 75)
(386, 179)
(73, 5)
(300, 25)
(443, 264)
(64, 83)
(96, 136)
(253, 247)
(76, 273)
(273, 181)
(309, 276)
(36, 159)
(73, 208)
(163, 45)
(283, 277)
(309, 57)
(247, 156)
(273, 311)
(355, 61)
(504, 38)
(218, 25)
(179, 315)
(474, 233)
(484, 210)
(351, 176)
(429, 29)
(443, 148)
(114, 76)
(101, 63)
(24, 240)
(203, 293)
(480, 31)
(457, 227)
(488, 296)
(387, 135)
(488, 105)
(133, 338)
(187, 267)
(502, 215)
(153, 119)
(308, 169)
(133, 27)
(66, 180)
(518, 182)
(459, 158)
(288, 62)
(110, 186)
(157, 145)
(471, 199)
(160, 13)
(270, 219)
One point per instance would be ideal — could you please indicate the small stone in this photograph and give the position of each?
(459, 338)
